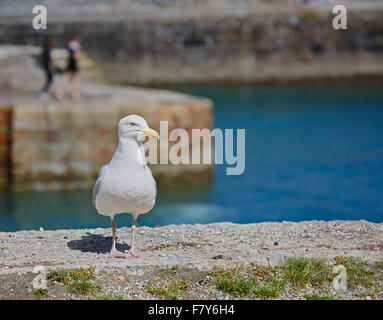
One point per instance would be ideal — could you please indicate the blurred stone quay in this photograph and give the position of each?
(47, 145)
(168, 41)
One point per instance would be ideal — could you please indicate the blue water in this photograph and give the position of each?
(311, 153)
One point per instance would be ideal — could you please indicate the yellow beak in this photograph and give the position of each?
(151, 133)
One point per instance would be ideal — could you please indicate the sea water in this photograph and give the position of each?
(312, 153)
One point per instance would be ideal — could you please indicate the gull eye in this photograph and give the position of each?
(132, 124)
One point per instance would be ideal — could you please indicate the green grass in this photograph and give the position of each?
(319, 297)
(109, 296)
(236, 285)
(232, 282)
(40, 292)
(77, 280)
(301, 271)
(81, 273)
(358, 272)
(59, 275)
(379, 265)
(170, 291)
(84, 287)
(68, 275)
(364, 279)
(373, 292)
(271, 288)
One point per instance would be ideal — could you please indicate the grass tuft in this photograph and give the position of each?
(301, 271)
(379, 265)
(372, 292)
(40, 292)
(77, 280)
(81, 273)
(358, 272)
(271, 288)
(170, 291)
(109, 296)
(66, 276)
(84, 287)
(232, 283)
(59, 275)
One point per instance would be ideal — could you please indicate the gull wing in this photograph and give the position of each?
(155, 188)
(96, 187)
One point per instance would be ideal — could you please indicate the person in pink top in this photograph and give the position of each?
(72, 71)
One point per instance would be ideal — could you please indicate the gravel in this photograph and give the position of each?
(193, 249)
(198, 246)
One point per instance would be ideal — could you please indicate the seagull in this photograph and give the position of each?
(126, 184)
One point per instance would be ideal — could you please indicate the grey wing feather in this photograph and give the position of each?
(155, 188)
(155, 183)
(96, 187)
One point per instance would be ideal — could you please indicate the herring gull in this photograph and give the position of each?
(126, 184)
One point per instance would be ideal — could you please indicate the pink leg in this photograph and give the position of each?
(60, 92)
(114, 253)
(75, 88)
(134, 253)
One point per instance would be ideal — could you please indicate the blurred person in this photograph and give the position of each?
(72, 70)
(48, 66)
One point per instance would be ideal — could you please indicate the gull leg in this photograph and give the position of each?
(133, 253)
(114, 253)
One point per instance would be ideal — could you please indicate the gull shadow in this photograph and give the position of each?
(95, 243)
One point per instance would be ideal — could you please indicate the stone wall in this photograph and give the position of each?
(5, 140)
(149, 42)
(63, 147)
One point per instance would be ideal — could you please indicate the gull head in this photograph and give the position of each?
(135, 127)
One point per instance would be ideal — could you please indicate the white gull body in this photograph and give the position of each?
(126, 183)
